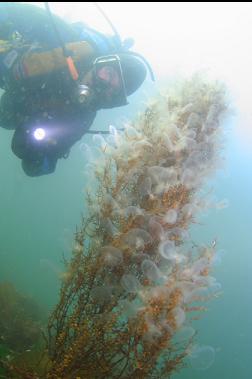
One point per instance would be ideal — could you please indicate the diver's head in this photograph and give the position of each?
(113, 78)
(134, 72)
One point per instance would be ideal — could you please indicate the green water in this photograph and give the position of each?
(227, 324)
(38, 217)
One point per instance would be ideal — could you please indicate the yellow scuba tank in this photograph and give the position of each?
(43, 62)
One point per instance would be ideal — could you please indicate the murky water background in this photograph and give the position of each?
(39, 215)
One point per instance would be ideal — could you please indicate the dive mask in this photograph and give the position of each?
(109, 82)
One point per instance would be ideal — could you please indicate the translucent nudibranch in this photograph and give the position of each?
(137, 281)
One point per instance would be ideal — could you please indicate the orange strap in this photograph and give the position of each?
(72, 69)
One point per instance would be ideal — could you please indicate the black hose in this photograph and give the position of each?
(61, 42)
(120, 41)
(102, 131)
(116, 34)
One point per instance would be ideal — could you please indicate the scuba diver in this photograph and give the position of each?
(55, 77)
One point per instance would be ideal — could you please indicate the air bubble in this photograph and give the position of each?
(137, 238)
(112, 256)
(151, 270)
(202, 357)
(184, 334)
(101, 294)
(171, 216)
(100, 141)
(130, 283)
(168, 250)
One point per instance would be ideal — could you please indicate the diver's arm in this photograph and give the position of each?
(39, 153)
